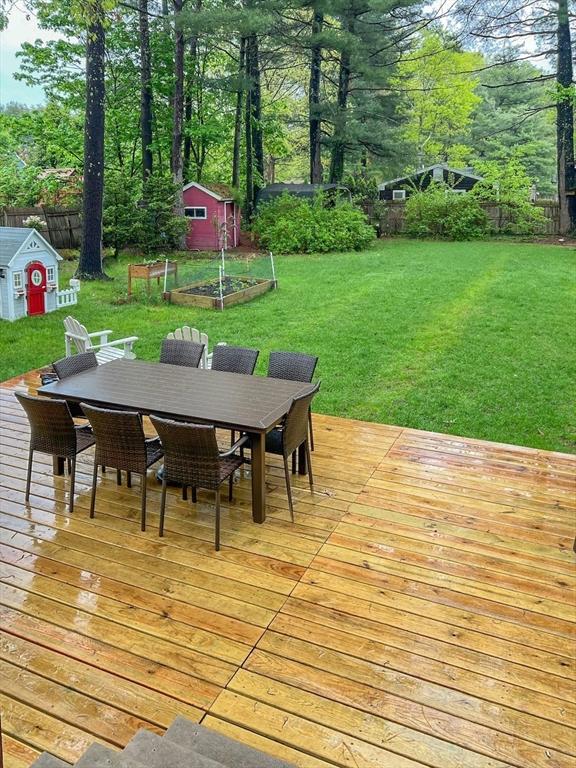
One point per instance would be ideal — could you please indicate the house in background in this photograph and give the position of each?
(271, 191)
(29, 275)
(214, 217)
(457, 179)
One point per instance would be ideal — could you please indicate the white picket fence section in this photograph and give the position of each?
(67, 298)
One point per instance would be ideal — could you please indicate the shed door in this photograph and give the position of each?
(36, 288)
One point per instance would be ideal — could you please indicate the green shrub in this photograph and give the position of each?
(439, 212)
(290, 224)
(158, 226)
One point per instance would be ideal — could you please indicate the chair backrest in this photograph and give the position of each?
(295, 430)
(294, 366)
(71, 325)
(51, 425)
(73, 364)
(185, 333)
(234, 359)
(191, 453)
(120, 439)
(179, 352)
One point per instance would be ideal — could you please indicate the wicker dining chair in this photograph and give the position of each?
(180, 352)
(73, 364)
(52, 431)
(294, 366)
(192, 458)
(70, 366)
(285, 439)
(234, 359)
(122, 444)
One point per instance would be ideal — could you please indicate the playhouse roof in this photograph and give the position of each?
(221, 192)
(13, 239)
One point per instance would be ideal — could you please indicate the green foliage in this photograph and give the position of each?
(158, 226)
(291, 224)
(21, 187)
(363, 188)
(439, 212)
(509, 186)
(122, 217)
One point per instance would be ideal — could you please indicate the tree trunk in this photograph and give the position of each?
(192, 75)
(249, 204)
(315, 123)
(238, 117)
(145, 91)
(90, 263)
(178, 110)
(339, 135)
(254, 142)
(565, 123)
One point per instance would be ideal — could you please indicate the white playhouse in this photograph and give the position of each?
(29, 275)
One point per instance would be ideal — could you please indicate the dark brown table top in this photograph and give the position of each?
(251, 403)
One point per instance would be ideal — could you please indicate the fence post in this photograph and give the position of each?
(220, 275)
(273, 269)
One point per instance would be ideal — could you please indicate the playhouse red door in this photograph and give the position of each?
(36, 290)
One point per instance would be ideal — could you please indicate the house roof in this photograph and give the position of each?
(221, 192)
(462, 172)
(13, 239)
(301, 190)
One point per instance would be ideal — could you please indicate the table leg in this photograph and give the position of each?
(258, 467)
(302, 466)
(58, 465)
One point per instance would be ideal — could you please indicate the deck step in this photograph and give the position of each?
(99, 756)
(47, 760)
(195, 737)
(157, 752)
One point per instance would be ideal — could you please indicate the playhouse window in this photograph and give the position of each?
(195, 213)
(398, 194)
(50, 274)
(18, 281)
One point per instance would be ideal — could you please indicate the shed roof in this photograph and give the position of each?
(221, 192)
(462, 172)
(13, 239)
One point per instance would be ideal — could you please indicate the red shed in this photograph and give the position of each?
(214, 217)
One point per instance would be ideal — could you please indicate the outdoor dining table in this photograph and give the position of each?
(232, 401)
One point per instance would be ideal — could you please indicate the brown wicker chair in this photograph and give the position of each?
(52, 431)
(234, 359)
(180, 352)
(121, 443)
(70, 366)
(192, 458)
(290, 435)
(294, 366)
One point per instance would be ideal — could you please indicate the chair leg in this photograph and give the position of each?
(230, 486)
(217, 531)
(129, 479)
(310, 428)
(29, 474)
(294, 462)
(162, 506)
(194, 498)
(310, 476)
(72, 483)
(103, 469)
(288, 488)
(143, 504)
(184, 492)
(69, 465)
(118, 477)
(93, 496)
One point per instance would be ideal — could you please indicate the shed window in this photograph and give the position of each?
(51, 274)
(195, 213)
(398, 194)
(18, 281)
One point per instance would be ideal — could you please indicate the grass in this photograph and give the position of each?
(472, 339)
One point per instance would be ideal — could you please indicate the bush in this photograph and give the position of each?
(158, 226)
(439, 212)
(291, 224)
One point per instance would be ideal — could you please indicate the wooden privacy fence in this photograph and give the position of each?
(64, 229)
(393, 218)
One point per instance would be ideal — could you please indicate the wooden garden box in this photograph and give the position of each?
(147, 272)
(180, 295)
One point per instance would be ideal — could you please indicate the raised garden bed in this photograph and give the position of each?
(235, 290)
(155, 269)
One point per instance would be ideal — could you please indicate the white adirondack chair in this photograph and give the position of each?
(78, 339)
(193, 334)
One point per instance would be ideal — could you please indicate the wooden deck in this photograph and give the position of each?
(419, 613)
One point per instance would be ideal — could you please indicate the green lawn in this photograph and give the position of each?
(472, 339)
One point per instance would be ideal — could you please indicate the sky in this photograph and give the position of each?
(21, 28)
